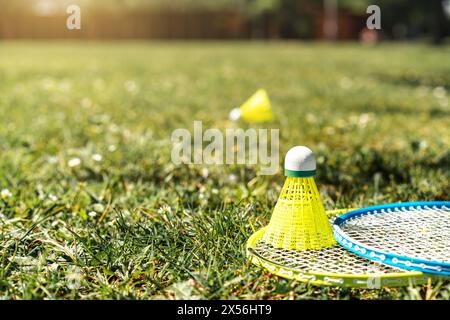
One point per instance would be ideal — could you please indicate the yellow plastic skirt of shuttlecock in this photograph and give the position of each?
(257, 108)
(299, 221)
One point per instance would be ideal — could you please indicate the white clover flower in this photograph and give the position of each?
(364, 119)
(330, 130)
(74, 162)
(97, 157)
(73, 278)
(165, 209)
(131, 86)
(311, 118)
(439, 92)
(346, 83)
(320, 159)
(92, 214)
(64, 85)
(52, 159)
(114, 128)
(232, 178)
(423, 144)
(6, 194)
(86, 103)
(98, 207)
(52, 267)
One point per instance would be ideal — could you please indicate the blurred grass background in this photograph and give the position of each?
(97, 209)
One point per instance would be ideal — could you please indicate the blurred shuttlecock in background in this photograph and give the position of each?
(299, 220)
(256, 109)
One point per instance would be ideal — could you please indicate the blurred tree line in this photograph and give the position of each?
(410, 18)
(401, 19)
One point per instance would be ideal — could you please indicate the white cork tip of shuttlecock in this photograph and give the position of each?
(235, 114)
(300, 162)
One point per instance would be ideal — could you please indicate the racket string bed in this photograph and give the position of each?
(333, 260)
(413, 236)
(421, 232)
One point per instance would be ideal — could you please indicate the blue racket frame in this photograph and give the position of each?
(400, 261)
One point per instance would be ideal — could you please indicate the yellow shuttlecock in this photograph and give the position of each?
(299, 220)
(256, 109)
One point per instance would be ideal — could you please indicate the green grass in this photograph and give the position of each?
(135, 226)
